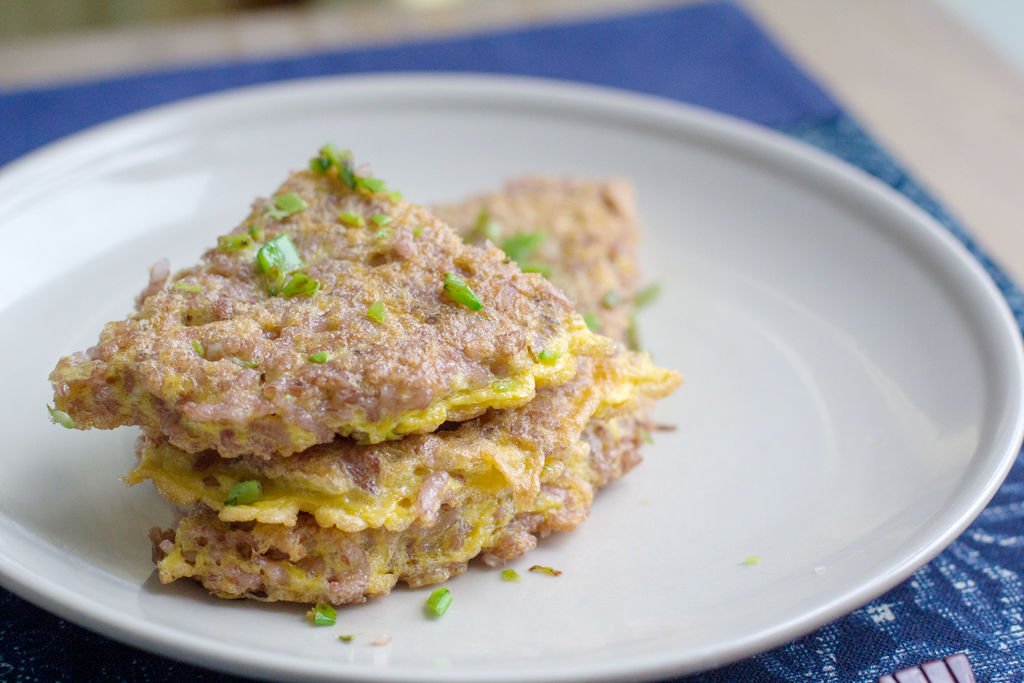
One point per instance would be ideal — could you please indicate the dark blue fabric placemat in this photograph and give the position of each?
(970, 599)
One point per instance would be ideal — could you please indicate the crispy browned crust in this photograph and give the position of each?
(146, 370)
(591, 243)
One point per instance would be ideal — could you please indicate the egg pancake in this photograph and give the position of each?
(581, 234)
(307, 562)
(334, 308)
(397, 484)
(343, 521)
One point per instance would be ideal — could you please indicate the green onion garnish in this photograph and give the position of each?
(647, 295)
(644, 435)
(633, 335)
(511, 575)
(371, 184)
(61, 418)
(234, 242)
(279, 253)
(191, 287)
(381, 219)
(503, 385)
(376, 311)
(549, 355)
(520, 247)
(329, 156)
(244, 493)
(332, 157)
(198, 347)
(346, 638)
(439, 601)
(383, 234)
(256, 232)
(541, 569)
(395, 196)
(286, 205)
(459, 291)
(353, 219)
(417, 231)
(611, 299)
(323, 615)
(320, 357)
(346, 176)
(300, 285)
(486, 228)
(753, 559)
(536, 267)
(592, 321)
(251, 364)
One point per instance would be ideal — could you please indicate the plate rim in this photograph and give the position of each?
(723, 129)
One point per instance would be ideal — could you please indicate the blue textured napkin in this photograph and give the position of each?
(970, 599)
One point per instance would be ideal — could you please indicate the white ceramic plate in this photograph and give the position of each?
(853, 393)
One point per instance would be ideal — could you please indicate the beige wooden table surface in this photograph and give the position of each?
(931, 91)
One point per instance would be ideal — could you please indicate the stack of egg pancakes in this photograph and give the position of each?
(383, 424)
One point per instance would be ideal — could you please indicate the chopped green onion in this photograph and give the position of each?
(381, 219)
(376, 311)
(323, 615)
(511, 575)
(548, 468)
(320, 357)
(644, 435)
(329, 155)
(371, 184)
(753, 559)
(251, 364)
(520, 247)
(382, 234)
(300, 285)
(318, 165)
(279, 253)
(460, 292)
(198, 346)
(234, 242)
(417, 231)
(611, 299)
(503, 385)
(59, 417)
(244, 493)
(353, 219)
(346, 176)
(536, 267)
(647, 295)
(333, 154)
(439, 601)
(191, 287)
(633, 335)
(541, 569)
(395, 196)
(486, 228)
(549, 355)
(346, 638)
(592, 321)
(286, 205)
